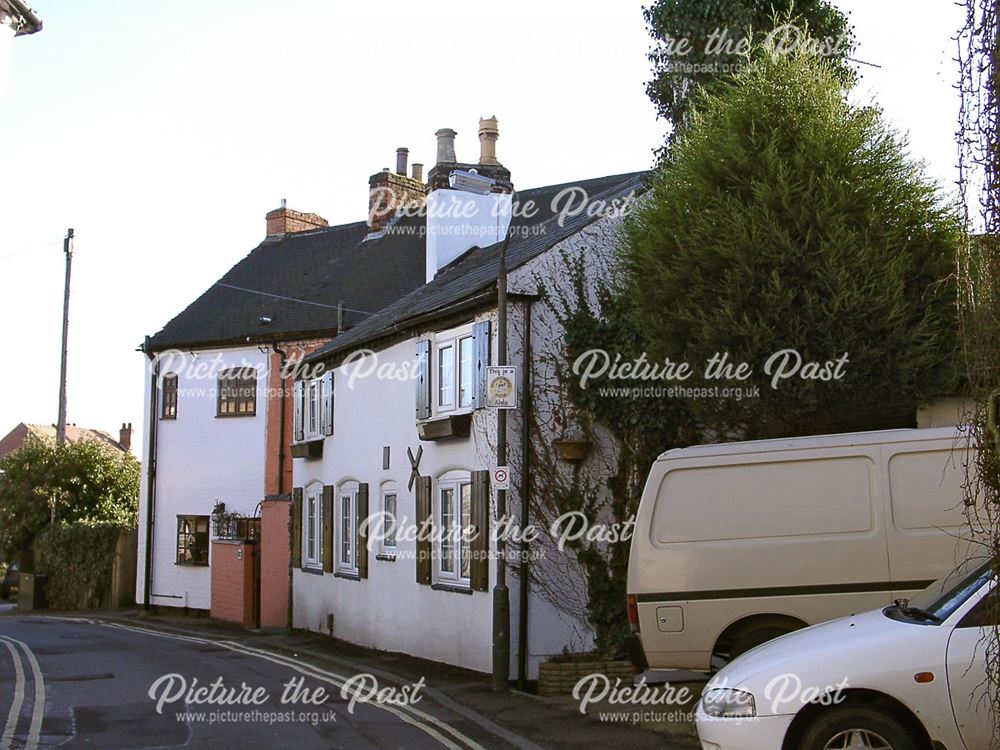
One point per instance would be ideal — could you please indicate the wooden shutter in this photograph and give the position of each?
(362, 526)
(423, 516)
(328, 403)
(297, 527)
(327, 528)
(481, 351)
(480, 543)
(299, 407)
(423, 379)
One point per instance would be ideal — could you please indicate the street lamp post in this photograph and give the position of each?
(501, 594)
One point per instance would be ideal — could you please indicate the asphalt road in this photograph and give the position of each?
(74, 683)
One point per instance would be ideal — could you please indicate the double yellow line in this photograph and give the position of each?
(15, 647)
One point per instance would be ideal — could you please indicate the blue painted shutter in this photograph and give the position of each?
(481, 349)
(300, 403)
(328, 403)
(423, 379)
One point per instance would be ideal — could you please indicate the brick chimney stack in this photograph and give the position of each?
(282, 221)
(389, 191)
(125, 436)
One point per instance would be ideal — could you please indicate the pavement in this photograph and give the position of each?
(131, 680)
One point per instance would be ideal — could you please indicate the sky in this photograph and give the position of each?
(163, 132)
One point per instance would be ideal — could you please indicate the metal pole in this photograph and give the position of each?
(61, 424)
(501, 594)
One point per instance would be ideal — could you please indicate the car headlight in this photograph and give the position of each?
(728, 703)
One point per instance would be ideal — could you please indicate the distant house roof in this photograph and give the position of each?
(16, 437)
(476, 271)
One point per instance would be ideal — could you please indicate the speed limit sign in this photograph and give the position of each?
(501, 478)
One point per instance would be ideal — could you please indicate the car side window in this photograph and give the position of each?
(984, 614)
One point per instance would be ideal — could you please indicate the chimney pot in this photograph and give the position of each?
(488, 135)
(401, 157)
(418, 171)
(446, 145)
(125, 436)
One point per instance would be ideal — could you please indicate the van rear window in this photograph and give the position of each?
(760, 500)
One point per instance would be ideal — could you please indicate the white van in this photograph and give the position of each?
(738, 543)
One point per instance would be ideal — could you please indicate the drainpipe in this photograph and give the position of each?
(151, 472)
(282, 410)
(525, 488)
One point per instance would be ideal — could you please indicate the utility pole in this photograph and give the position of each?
(61, 424)
(501, 594)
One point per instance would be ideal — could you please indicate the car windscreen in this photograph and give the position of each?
(948, 593)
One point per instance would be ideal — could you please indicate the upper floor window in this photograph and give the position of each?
(456, 373)
(238, 393)
(451, 370)
(168, 396)
(192, 540)
(313, 416)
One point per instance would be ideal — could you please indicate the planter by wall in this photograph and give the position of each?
(571, 450)
(559, 677)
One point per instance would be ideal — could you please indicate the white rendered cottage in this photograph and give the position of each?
(410, 439)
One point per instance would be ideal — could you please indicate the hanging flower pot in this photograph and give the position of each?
(571, 450)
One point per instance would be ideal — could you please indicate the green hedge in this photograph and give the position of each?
(78, 560)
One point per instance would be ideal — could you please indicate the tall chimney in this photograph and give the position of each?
(446, 145)
(488, 134)
(390, 191)
(418, 171)
(125, 436)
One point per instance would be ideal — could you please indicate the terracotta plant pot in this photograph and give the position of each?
(571, 450)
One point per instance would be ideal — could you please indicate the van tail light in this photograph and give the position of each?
(633, 613)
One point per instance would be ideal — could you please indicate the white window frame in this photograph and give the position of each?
(452, 548)
(389, 543)
(312, 504)
(313, 426)
(454, 339)
(347, 529)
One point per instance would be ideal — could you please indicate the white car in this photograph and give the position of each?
(907, 677)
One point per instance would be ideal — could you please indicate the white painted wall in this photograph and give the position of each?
(458, 221)
(389, 610)
(200, 459)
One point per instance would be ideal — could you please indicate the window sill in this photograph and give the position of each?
(192, 564)
(451, 587)
(308, 449)
(386, 556)
(312, 571)
(445, 427)
(235, 416)
(347, 576)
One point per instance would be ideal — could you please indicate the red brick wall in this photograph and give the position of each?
(233, 583)
(388, 191)
(275, 574)
(278, 389)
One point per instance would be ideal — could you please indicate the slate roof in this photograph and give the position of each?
(476, 271)
(298, 280)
